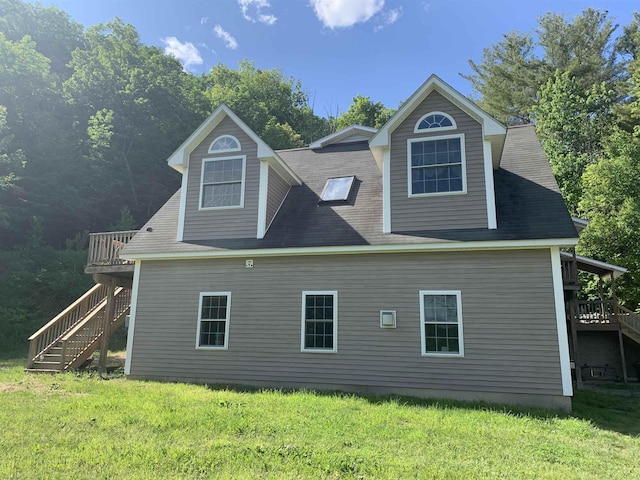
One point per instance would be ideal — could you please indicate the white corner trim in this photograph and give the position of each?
(183, 204)
(263, 191)
(132, 316)
(386, 191)
(492, 218)
(561, 320)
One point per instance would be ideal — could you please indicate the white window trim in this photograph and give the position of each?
(210, 150)
(335, 321)
(242, 187)
(226, 323)
(423, 344)
(463, 159)
(433, 129)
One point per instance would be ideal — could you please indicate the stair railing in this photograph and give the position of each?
(628, 319)
(41, 341)
(85, 335)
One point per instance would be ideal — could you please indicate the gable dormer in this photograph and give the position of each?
(232, 181)
(437, 154)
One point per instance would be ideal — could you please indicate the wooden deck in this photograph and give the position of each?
(104, 253)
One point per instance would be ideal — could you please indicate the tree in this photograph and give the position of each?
(364, 112)
(584, 48)
(572, 123)
(134, 105)
(510, 73)
(508, 78)
(611, 203)
(273, 106)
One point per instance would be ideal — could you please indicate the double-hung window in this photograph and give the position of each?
(436, 165)
(213, 320)
(441, 323)
(222, 182)
(319, 321)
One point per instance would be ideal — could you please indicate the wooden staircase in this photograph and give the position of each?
(629, 323)
(69, 339)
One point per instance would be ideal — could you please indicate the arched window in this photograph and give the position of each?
(435, 120)
(224, 143)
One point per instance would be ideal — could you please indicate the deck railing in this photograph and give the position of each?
(596, 311)
(104, 248)
(53, 331)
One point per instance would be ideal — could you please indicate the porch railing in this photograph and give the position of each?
(104, 248)
(596, 311)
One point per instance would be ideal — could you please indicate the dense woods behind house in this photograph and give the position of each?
(88, 117)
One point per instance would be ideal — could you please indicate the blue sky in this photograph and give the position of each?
(383, 49)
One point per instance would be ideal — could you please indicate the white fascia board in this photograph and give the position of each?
(347, 132)
(132, 316)
(490, 125)
(361, 249)
(180, 158)
(561, 323)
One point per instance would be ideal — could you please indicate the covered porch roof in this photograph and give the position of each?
(596, 267)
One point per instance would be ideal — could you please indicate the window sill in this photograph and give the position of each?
(436, 194)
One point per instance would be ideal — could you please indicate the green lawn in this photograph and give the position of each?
(81, 426)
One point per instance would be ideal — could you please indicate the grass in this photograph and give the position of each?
(82, 426)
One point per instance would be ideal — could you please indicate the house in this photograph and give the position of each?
(423, 258)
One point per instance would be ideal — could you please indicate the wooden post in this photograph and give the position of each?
(624, 363)
(108, 318)
(574, 338)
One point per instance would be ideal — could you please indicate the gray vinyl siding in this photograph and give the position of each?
(223, 223)
(277, 191)
(509, 322)
(439, 212)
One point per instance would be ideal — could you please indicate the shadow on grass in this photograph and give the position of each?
(607, 411)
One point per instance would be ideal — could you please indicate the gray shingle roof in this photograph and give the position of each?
(528, 201)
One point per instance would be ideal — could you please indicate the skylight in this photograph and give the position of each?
(337, 189)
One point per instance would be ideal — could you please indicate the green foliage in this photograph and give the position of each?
(611, 203)
(132, 429)
(364, 112)
(275, 107)
(572, 123)
(37, 281)
(508, 78)
(510, 74)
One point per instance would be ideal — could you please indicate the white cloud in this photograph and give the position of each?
(345, 13)
(389, 17)
(229, 41)
(257, 6)
(187, 53)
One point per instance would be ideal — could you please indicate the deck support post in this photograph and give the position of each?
(108, 319)
(624, 363)
(574, 338)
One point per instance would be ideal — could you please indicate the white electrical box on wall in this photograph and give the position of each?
(248, 263)
(387, 319)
